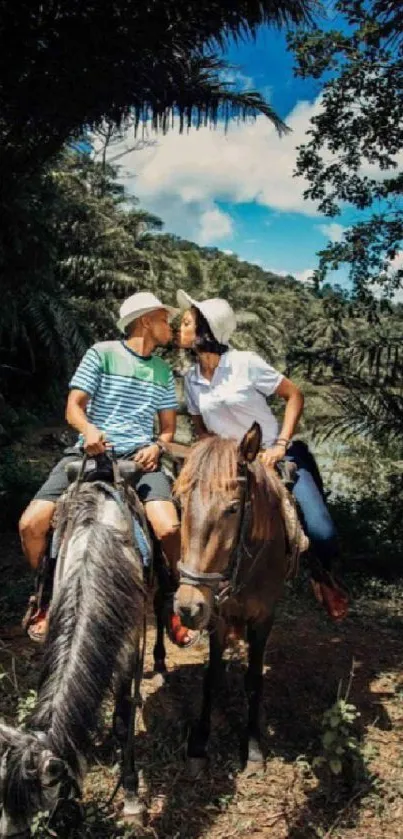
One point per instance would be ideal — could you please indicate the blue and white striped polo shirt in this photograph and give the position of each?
(126, 391)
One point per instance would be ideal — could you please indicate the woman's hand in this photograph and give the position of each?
(272, 456)
(148, 458)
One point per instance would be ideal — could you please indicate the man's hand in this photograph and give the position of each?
(148, 458)
(94, 441)
(272, 456)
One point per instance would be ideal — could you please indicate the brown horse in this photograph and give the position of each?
(233, 567)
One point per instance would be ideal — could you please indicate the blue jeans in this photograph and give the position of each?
(315, 517)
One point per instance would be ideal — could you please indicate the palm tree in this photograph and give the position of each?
(148, 61)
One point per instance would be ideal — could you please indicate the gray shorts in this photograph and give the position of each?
(150, 486)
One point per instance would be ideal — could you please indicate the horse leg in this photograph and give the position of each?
(124, 725)
(200, 731)
(159, 652)
(257, 635)
(164, 593)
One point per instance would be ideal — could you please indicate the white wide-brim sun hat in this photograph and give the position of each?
(219, 315)
(140, 304)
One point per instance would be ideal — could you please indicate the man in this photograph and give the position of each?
(114, 396)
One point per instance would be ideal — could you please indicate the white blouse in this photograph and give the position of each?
(235, 397)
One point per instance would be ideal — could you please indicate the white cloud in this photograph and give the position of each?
(332, 231)
(237, 78)
(303, 276)
(214, 225)
(181, 177)
(396, 264)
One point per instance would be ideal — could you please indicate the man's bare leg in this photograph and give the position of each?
(34, 527)
(164, 521)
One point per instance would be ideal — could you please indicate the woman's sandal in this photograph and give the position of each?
(332, 596)
(179, 634)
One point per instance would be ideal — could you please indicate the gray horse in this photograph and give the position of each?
(96, 618)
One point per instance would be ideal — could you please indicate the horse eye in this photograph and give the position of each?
(232, 508)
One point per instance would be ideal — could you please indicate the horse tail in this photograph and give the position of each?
(98, 607)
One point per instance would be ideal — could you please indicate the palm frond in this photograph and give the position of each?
(365, 411)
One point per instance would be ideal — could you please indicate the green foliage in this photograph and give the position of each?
(360, 123)
(341, 754)
(19, 480)
(339, 742)
(358, 351)
(26, 705)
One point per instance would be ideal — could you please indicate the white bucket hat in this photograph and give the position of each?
(217, 311)
(140, 304)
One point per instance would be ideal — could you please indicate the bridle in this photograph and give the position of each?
(225, 584)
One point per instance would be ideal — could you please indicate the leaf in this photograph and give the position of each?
(336, 766)
(328, 738)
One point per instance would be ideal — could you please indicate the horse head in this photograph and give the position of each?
(32, 779)
(217, 490)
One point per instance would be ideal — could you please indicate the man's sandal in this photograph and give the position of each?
(37, 627)
(179, 634)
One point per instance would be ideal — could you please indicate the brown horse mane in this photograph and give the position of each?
(212, 466)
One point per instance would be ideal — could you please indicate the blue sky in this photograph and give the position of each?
(235, 190)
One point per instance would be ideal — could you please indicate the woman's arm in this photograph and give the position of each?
(294, 407)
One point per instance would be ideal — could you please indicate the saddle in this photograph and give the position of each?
(117, 477)
(101, 468)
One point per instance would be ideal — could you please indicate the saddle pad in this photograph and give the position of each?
(141, 539)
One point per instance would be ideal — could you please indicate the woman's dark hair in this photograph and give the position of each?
(205, 341)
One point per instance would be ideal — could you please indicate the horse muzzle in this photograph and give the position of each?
(192, 606)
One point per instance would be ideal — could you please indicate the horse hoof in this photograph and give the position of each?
(196, 766)
(134, 811)
(255, 759)
(160, 678)
(254, 767)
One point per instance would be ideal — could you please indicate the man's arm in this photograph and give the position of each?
(149, 457)
(94, 442)
(167, 423)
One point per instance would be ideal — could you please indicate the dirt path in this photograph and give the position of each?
(306, 659)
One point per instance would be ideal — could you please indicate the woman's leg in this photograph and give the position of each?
(319, 527)
(316, 519)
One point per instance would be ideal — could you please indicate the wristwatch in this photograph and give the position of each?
(161, 446)
(282, 441)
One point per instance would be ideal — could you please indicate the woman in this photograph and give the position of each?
(226, 392)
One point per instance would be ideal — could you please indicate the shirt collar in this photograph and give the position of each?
(197, 376)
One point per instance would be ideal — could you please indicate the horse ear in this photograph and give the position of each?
(250, 445)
